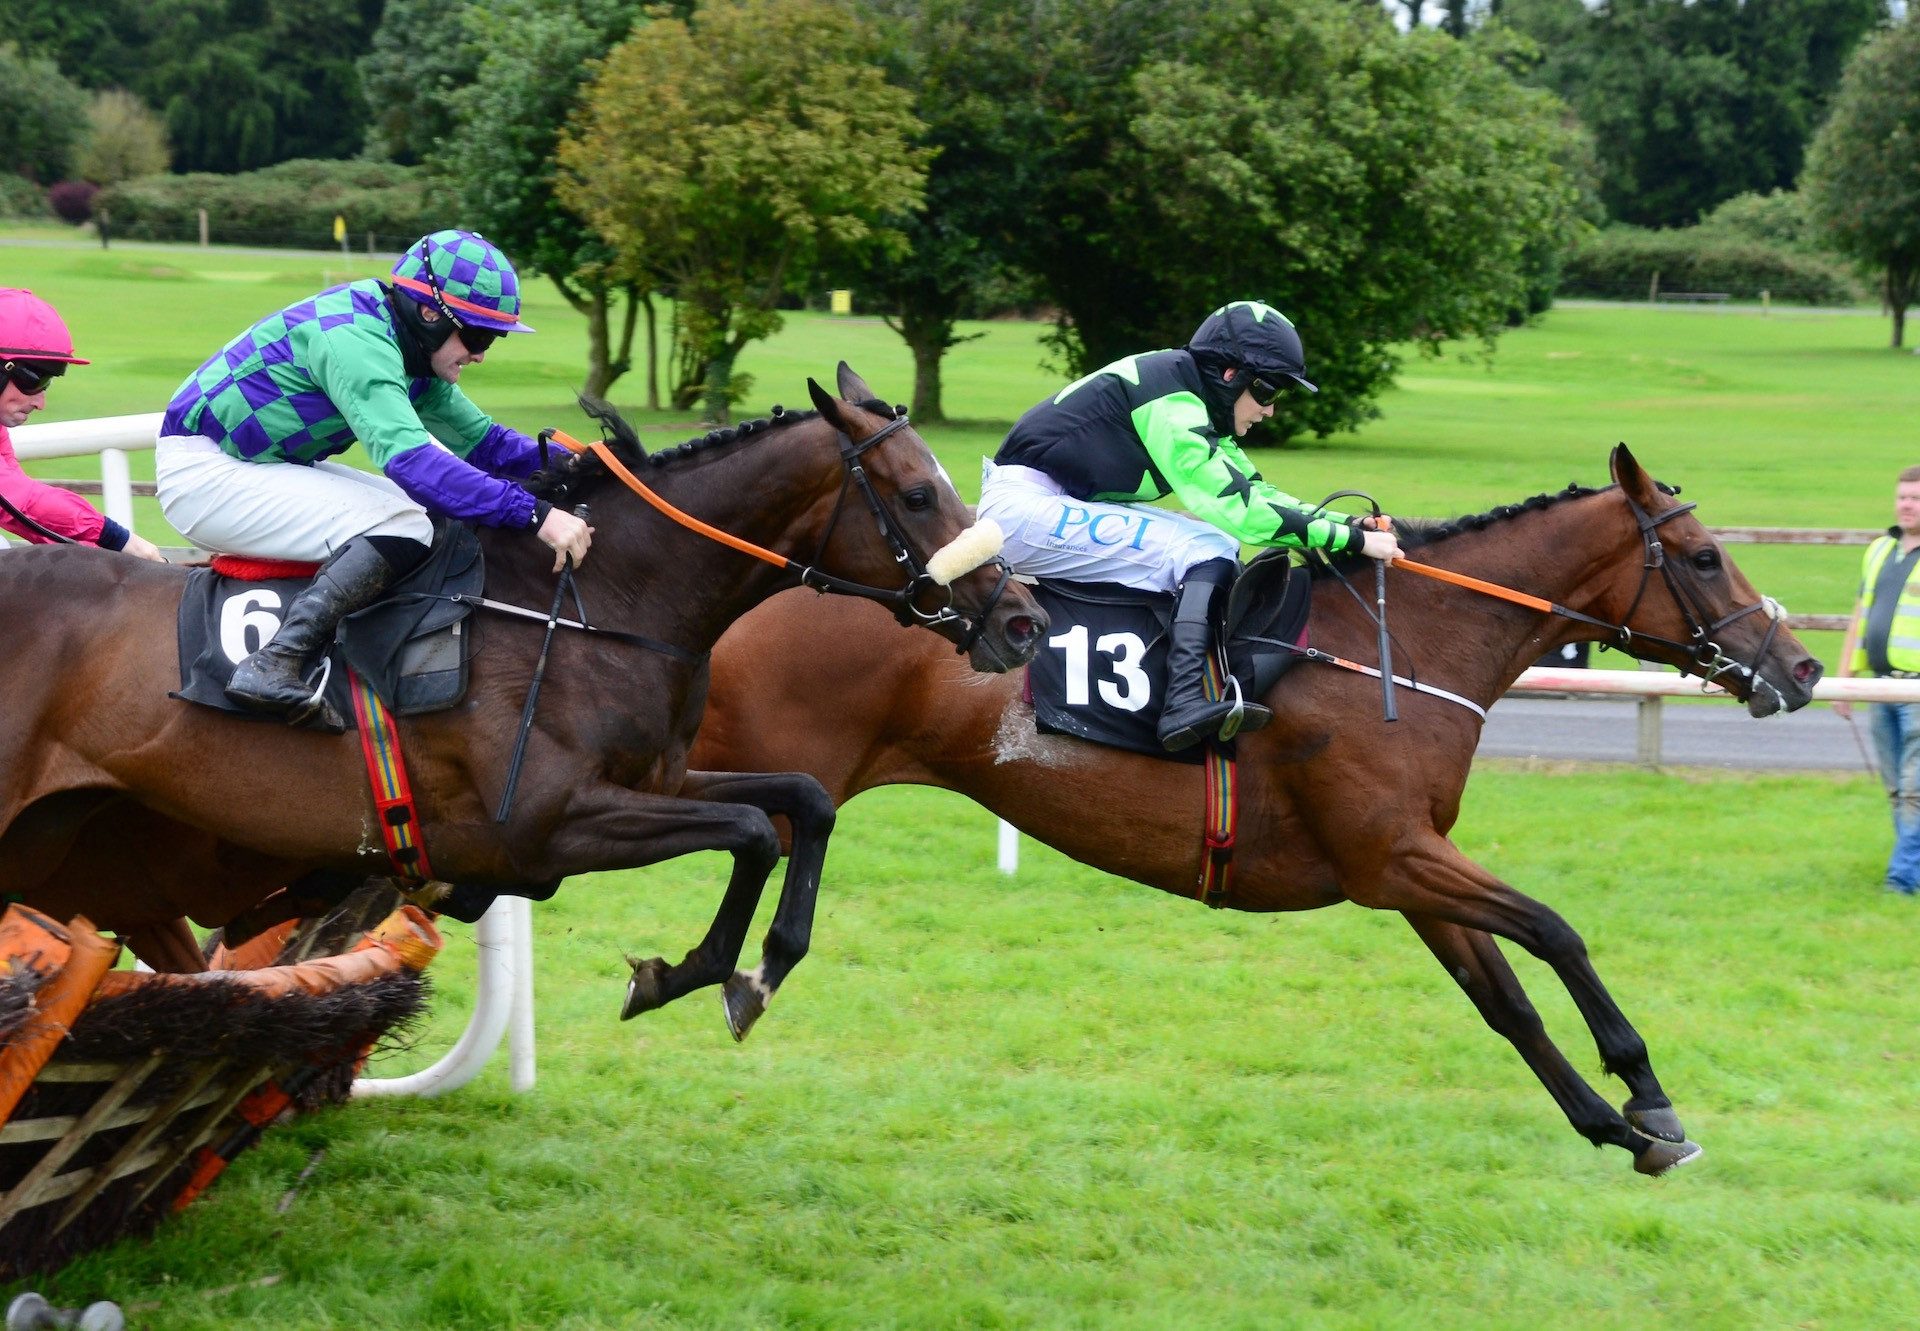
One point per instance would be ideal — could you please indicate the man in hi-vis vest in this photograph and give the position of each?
(1883, 640)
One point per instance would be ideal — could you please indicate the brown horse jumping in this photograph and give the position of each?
(1336, 805)
(135, 809)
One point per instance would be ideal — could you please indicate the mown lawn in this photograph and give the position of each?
(1061, 1100)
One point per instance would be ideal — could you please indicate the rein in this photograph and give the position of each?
(904, 602)
(33, 526)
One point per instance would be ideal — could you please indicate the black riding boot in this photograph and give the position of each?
(273, 678)
(1189, 716)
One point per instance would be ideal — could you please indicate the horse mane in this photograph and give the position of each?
(1416, 532)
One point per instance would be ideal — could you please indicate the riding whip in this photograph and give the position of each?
(1380, 620)
(533, 690)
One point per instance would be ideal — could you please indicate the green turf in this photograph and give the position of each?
(1061, 1100)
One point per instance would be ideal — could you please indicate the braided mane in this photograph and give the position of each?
(1414, 532)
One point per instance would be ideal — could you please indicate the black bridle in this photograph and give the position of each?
(906, 602)
(1703, 655)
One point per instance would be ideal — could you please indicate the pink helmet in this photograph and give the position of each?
(31, 329)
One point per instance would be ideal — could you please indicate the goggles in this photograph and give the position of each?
(32, 376)
(477, 340)
(1263, 391)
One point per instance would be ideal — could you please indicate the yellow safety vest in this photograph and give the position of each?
(1903, 636)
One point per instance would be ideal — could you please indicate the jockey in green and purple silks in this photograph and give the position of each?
(243, 456)
(1072, 483)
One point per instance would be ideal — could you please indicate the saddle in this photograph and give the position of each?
(412, 647)
(1101, 676)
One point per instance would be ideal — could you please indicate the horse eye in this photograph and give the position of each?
(920, 498)
(1706, 560)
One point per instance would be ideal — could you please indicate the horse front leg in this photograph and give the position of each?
(1431, 877)
(616, 828)
(804, 802)
(1475, 962)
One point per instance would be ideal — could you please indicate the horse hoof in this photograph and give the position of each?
(646, 987)
(1662, 1123)
(744, 1004)
(1661, 1156)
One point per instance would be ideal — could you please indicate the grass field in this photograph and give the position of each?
(1061, 1100)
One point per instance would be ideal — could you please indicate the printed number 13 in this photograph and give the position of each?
(1129, 690)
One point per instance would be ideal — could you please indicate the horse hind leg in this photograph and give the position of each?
(1474, 961)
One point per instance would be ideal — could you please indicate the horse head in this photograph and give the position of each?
(1688, 605)
(920, 529)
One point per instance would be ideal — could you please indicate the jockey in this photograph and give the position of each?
(1070, 486)
(35, 349)
(241, 459)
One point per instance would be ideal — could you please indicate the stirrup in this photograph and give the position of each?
(314, 711)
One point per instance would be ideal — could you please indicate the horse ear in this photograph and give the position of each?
(1628, 474)
(852, 387)
(827, 405)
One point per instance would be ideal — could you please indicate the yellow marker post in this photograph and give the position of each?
(340, 232)
(840, 302)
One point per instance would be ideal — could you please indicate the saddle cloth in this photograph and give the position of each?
(1102, 674)
(412, 646)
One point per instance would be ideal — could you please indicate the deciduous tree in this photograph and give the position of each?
(734, 154)
(1862, 184)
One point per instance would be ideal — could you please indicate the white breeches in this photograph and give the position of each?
(277, 510)
(1050, 534)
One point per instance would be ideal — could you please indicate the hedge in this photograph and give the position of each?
(1620, 262)
(289, 204)
(20, 197)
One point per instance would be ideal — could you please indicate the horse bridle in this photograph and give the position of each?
(1704, 656)
(905, 603)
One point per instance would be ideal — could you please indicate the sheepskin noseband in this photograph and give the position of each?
(966, 552)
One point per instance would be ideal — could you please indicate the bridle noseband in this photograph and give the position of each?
(1704, 656)
(905, 603)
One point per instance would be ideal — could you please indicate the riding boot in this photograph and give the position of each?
(1189, 715)
(273, 678)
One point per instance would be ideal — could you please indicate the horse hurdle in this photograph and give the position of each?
(124, 1094)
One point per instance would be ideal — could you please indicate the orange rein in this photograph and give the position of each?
(1493, 589)
(639, 487)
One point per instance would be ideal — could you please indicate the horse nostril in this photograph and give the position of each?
(1021, 630)
(1808, 671)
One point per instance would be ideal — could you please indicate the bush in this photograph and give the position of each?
(1620, 263)
(292, 204)
(42, 117)
(20, 197)
(73, 200)
(1777, 218)
(125, 139)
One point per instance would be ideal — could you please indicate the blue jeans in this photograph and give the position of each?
(1896, 739)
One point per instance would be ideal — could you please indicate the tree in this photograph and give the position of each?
(731, 156)
(246, 83)
(125, 139)
(1388, 188)
(42, 117)
(1862, 183)
(422, 54)
(1693, 101)
(500, 158)
(96, 44)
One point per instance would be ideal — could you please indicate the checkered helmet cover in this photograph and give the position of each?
(475, 279)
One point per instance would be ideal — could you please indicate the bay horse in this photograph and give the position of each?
(1336, 804)
(135, 809)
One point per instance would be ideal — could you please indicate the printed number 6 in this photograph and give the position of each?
(250, 614)
(1133, 690)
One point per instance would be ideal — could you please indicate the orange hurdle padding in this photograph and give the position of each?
(406, 939)
(27, 933)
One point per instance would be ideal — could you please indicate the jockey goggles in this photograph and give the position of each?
(1262, 391)
(32, 376)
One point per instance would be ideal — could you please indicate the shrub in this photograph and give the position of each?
(292, 203)
(73, 199)
(1621, 262)
(125, 138)
(1776, 218)
(20, 197)
(42, 116)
